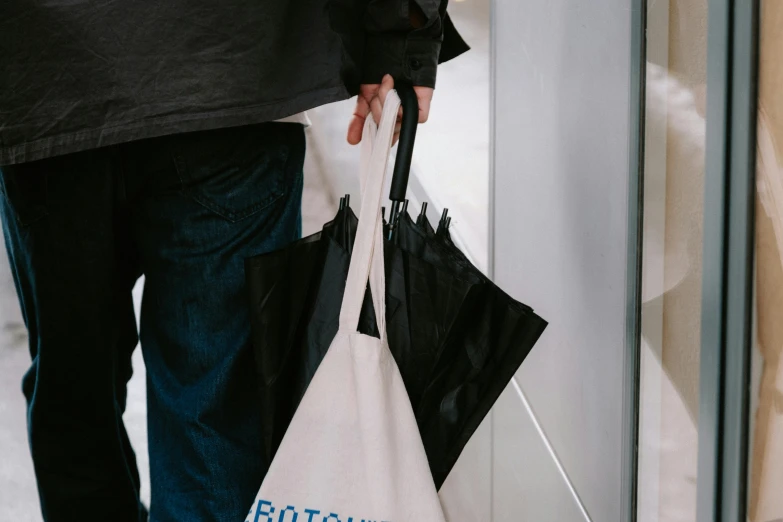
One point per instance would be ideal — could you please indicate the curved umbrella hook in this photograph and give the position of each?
(402, 164)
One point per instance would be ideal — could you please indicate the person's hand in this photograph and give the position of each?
(370, 101)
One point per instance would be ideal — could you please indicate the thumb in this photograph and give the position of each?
(424, 95)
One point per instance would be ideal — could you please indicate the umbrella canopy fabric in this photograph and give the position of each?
(456, 337)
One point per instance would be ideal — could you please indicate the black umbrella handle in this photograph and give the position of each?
(410, 121)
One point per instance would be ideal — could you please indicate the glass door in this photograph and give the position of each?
(710, 422)
(637, 152)
(671, 284)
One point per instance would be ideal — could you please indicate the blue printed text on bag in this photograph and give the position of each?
(265, 511)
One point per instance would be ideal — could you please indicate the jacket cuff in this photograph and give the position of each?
(405, 57)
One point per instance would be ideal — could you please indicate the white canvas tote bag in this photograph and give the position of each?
(352, 452)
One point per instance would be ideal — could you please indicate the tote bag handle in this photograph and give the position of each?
(367, 253)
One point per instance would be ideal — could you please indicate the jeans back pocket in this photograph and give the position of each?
(240, 171)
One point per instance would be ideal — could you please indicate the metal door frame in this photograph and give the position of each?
(633, 297)
(727, 277)
(727, 292)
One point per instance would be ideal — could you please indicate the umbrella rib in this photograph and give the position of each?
(551, 450)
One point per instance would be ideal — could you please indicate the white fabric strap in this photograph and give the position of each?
(368, 245)
(377, 272)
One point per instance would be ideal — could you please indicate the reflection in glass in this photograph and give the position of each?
(766, 459)
(671, 288)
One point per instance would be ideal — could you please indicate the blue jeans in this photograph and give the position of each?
(80, 230)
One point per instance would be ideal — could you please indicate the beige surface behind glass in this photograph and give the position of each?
(684, 197)
(766, 478)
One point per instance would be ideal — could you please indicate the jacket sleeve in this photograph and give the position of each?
(394, 46)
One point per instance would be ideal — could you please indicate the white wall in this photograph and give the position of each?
(560, 201)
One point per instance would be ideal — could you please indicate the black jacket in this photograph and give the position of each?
(82, 74)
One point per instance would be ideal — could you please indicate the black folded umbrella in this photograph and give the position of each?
(456, 337)
(493, 335)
